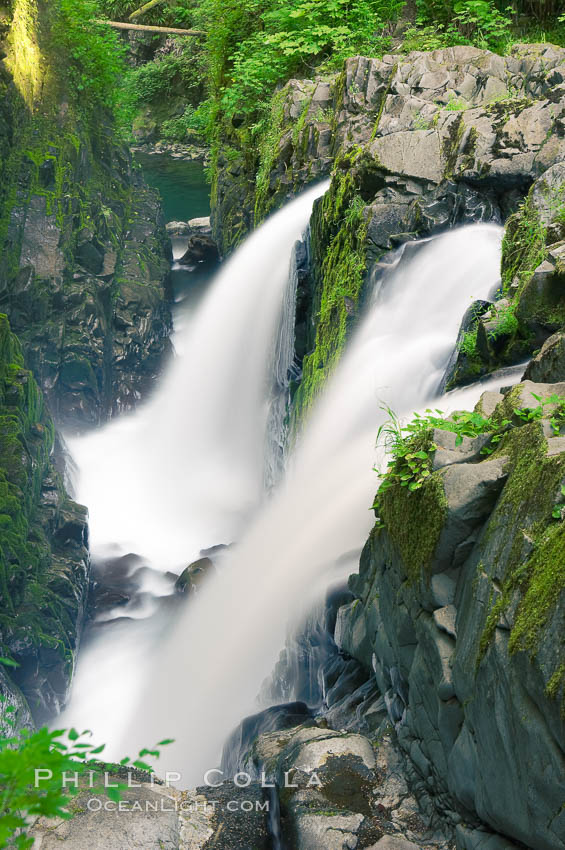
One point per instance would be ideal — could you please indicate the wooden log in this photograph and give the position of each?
(119, 25)
(143, 9)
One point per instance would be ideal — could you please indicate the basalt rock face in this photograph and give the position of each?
(83, 279)
(415, 144)
(459, 612)
(460, 129)
(84, 268)
(44, 562)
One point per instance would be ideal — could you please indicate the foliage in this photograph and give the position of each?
(23, 796)
(255, 44)
(172, 13)
(94, 54)
(411, 448)
(556, 415)
(155, 80)
(444, 23)
(468, 343)
(506, 321)
(191, 121)
(456, 105)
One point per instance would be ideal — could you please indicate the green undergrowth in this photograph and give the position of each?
(339, 228)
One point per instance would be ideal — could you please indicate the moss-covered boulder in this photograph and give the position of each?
(44, 562)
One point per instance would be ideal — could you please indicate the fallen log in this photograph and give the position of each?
(119, 25)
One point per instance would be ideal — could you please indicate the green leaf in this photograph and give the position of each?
(142, 765)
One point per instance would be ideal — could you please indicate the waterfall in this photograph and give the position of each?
(205, 676)
(186, 471)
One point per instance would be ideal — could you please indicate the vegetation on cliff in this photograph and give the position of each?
(525, 530)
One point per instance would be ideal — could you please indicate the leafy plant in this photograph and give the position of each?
(255, 44)
(410, 447)
(557, 415)
(32, 766)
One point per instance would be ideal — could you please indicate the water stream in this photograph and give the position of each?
(187, 472)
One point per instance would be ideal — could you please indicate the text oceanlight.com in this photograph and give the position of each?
(169, 804)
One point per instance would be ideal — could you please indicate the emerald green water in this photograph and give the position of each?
(182, 185)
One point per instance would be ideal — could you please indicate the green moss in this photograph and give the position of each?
(339, 229)
(542, 580)
(270, 141)
(523, 245)
(414, 520)
(529, 540)
(556, 686)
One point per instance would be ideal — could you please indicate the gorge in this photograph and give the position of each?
(397, 247)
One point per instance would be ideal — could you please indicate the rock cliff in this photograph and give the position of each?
(415, 144)
(44, 561)
(84, 266)
(459, 612)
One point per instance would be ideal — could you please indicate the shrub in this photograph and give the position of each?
(255, 44)
(94, 54)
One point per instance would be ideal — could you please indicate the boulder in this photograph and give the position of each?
(192, 577)
(201, 249)
(145, 818)
(548, 366)
(186, 228)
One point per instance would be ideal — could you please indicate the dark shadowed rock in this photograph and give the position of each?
(201, 249)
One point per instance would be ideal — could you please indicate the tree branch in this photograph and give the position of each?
(144, 9)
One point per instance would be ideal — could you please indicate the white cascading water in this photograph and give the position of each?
(186, 471)
(203, 676)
